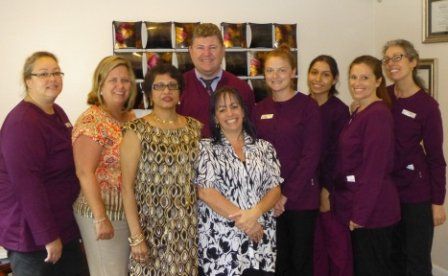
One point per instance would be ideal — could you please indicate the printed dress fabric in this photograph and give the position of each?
(166, 197)
(223, 248)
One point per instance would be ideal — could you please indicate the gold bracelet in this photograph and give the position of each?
(96, 221)
(133, 241)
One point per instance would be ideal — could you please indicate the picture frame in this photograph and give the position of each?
(426, 70)
(435, 21)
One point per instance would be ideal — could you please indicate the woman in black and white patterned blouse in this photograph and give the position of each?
(238, 184)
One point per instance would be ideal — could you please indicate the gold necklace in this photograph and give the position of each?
(164, 122)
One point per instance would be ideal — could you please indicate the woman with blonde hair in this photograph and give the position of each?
(96, 140)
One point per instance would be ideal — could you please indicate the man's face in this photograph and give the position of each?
(207, 54)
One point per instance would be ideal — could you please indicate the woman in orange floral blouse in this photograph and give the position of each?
(96, 140)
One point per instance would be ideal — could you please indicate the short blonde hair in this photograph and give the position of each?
(207, 30)
(103, 69)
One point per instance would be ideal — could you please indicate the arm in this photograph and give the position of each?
(130, 151)
(377, 144)
(433, 144)
(25, 153)
(87, 155)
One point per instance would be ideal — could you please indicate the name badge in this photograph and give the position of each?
(68, 125)
(350, 178)
(267, 116)
(408, 113)
(410, 167)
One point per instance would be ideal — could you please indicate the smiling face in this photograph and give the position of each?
(229, 114)
(207, 54)
(320, 78)
(44, 89)
(278, 74)
(400, 69)
(363, 83)
(165, 93)
(116, 87)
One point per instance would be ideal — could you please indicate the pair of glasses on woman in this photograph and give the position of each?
(161, 86)
(47, 75)
(394, 59)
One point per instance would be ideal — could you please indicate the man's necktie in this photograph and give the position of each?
(208, 84)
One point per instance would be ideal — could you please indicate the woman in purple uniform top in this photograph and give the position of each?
(332, 247)
(419, 171)
(290, 120)
(365, 198)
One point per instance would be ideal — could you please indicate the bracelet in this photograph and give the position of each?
(133, 241)
(96, 221)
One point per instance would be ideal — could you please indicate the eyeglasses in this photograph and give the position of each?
(47, 75)
(396, 58)
(161, 86)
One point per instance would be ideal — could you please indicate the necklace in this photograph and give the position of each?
(164, 122)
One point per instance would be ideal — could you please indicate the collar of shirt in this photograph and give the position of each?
(214, 83)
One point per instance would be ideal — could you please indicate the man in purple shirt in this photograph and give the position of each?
(207, 52)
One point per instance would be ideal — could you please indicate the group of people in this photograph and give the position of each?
(210, 183)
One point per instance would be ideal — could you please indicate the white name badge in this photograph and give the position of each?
(350, 178)
(68, 125)
(408, 113)
(267, 116)
(410, 167)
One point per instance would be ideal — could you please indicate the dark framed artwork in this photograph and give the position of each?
(261, 35)
(435, 21)
(154, 58)
(159, 35)
(285, 34)
(426, 70)
(184, 33)
(234, 35)
(136, 61)
(127, 35)
(236, 63)
(260, 88)
(256, 63)
(184, 62)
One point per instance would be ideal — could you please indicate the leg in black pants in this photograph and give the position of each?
(295, 235)
(412, 242)
(372, 251)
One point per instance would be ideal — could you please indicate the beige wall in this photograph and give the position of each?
(403, 19)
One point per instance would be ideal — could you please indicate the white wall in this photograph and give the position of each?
(80, 34)
(403, 19)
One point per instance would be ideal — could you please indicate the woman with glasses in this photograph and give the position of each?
(158, 153)
(291, 121)
(96, 139)
(419, 171)
(38, 183)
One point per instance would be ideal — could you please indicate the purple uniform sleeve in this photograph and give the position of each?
(24, 151)
(377, 142)
(433, 143)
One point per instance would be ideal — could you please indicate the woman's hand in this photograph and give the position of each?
(256, 233)
(438, 214)
(354, 226)
(246, 220)
(139, 252)
(324, 201)
(54, 251)
(279, 207)
(104, 229)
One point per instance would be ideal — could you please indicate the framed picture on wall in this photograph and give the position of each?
(435, 21)
(426, 70)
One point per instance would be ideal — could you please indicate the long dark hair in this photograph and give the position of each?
(375, 65)
(248, 127)
(333, 69)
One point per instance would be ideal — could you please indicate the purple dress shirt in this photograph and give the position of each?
(419, 163)
(195, 100)
(38, 183)
(335, 115)
(364, 191)
(294, 128)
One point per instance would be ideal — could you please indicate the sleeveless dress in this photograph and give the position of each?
(166, 197)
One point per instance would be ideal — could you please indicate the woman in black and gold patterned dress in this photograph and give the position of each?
(158, 153)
